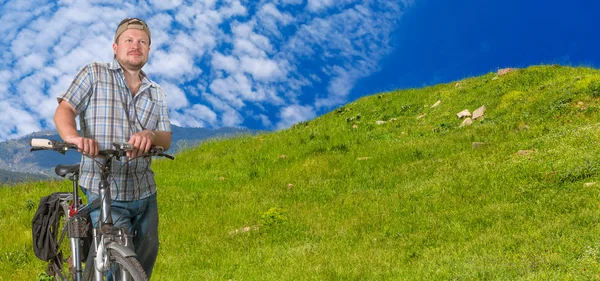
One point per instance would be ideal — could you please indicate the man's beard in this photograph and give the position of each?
(133, 66)
(132, 62)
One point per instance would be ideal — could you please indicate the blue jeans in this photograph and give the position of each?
(140, 219)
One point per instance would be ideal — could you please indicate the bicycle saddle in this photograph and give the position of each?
(63, 170)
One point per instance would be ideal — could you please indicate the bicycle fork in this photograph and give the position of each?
(114, 241)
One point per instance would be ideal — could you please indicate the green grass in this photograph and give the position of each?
(341, 198)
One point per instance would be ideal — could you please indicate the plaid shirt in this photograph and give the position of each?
(109, 113)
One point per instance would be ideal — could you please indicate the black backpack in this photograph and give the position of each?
(44, 227)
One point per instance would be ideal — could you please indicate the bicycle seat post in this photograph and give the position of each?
(75, 179)
(104, 189)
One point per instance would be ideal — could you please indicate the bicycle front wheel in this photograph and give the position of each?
(123, 268)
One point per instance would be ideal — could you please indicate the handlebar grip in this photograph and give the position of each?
(168, 156)
(45, 143)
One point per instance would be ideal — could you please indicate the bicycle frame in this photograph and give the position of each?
(75, 229)
(104, 236)
(105, 239)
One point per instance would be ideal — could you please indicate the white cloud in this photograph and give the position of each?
(31, 62)
(318, 5)
(247, 41)
(261, 69)
(176, 98)
(176, 66)
(292, 2)
(270, 11)
(227, 63)
(271, 19)
(29, 89)
(79, 57)
(264, 120)
(246, 47)
(339, 86)
(358, 37)
(58, 85)
(23, 43)
(227, 89)
(293, 114)
(183, 43)
(219, 62)
(5, 78)
(230, 117)
(165, 4)
(236, 89)
(11, 111)
(234, 9)
(197, 116)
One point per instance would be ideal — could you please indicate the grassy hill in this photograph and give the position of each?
(415, 198)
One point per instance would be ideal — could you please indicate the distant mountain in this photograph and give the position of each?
(18, 163)
(7, 177)
(188, 137)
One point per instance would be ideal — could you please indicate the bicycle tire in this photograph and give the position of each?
(129, 264)
(58, 267)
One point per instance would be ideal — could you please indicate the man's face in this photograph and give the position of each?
(131, 49)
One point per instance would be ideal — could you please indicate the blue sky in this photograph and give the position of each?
(441, 41)
(270, 64)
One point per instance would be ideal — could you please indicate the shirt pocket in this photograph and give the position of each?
(147, 112)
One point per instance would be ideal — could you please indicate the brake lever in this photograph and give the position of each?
(167, 156)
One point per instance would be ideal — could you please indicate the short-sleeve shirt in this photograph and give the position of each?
(108, 113)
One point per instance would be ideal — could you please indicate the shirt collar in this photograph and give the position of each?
(114, 65)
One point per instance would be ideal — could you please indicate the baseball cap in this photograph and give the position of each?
(132, 23)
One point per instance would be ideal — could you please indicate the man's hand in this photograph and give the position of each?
(141, 143)
(85, 145)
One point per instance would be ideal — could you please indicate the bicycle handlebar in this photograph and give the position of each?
(121, 148)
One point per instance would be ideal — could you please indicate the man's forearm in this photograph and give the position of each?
(64, 120)
(163, 139)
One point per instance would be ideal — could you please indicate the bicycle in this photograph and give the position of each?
(112, 256)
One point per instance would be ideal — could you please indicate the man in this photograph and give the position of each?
(116, 101)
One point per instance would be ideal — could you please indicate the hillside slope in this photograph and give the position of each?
(415, 196)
